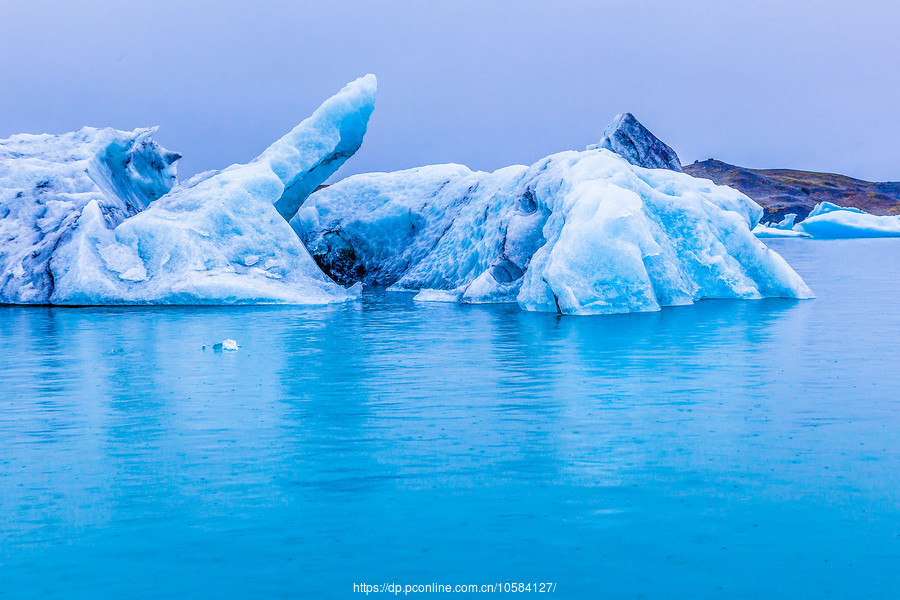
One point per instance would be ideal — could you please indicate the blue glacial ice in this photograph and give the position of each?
(219, 238)
(46, 181)
(575, 233)
(829, 220)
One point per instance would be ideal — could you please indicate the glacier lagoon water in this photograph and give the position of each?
(736, 449)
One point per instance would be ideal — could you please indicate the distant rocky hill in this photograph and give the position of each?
(783, 191)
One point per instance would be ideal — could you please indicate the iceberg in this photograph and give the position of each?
(768, 231)
(829, 220)
(221, 237)
(46, 182)
(575, 233)
(784, 228)
(628, 138)
(786, 223)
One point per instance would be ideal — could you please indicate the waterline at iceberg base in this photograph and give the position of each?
(725, 449)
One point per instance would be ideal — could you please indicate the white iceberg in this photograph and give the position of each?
(770, 231)
(46, 181)
(575, 233)
(829, 220)
(221, 237)
(786, 223)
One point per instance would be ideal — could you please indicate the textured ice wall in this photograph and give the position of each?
(46, 181)
(575, 233)
(221, 237)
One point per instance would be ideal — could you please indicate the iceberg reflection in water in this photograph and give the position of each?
(730, 448)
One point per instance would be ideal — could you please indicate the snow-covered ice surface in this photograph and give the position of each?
(628, 138)
(828, 220)
(576, 233)
(46, 181)
(219, 238)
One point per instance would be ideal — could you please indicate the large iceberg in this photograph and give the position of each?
(829, 220)
(575, 233)
(46, 181)
(221, 237)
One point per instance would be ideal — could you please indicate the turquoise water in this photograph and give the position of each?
(725, 450)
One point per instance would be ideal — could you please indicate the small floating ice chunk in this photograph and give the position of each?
(229, 345)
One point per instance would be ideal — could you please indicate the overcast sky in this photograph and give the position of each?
(808, 85)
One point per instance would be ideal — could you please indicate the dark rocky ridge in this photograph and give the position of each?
(784, 191)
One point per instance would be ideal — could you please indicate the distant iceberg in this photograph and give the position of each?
(784, 228)
(127, 238)
(769, 231)
(829, 220)
(575, 233)
(787, 222)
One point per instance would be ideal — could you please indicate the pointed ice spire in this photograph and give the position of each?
(316, 148)
(632, 141)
